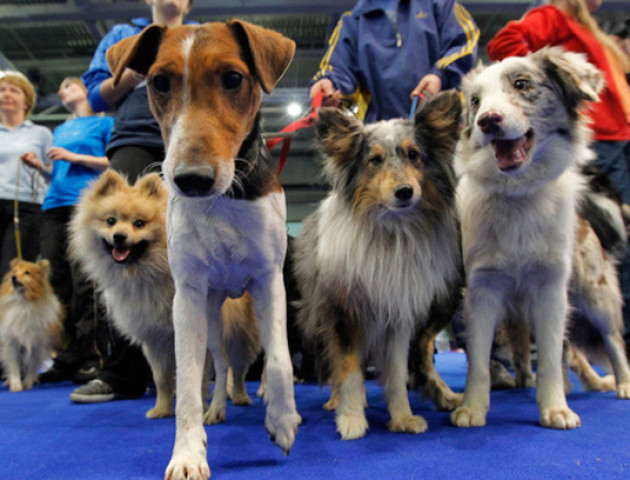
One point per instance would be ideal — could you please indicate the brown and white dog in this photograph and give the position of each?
(518, 194)
(226, 213)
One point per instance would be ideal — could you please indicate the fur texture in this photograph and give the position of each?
(380, 251)
(524, 137)
(31, 319)
(226, 218)
(118, 236)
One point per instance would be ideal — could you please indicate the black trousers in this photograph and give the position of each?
(30, 218)
(85, 326)
(125, 369)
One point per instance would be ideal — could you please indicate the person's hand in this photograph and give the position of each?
(131, 78)
(30, 159)
(331, 97)
(60, 153)
(429, 85)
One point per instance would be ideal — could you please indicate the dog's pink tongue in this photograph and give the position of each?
(510, 153)
(121, 255)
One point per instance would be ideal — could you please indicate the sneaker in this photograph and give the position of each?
(95, 391)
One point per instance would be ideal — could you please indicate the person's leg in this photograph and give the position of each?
(53, 242)
(125, 373)
(7, 236)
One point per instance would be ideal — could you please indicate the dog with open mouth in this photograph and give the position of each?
(118, 237)
(519, 188)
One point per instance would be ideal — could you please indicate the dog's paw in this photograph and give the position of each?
(409, 424)
(561, 418)
(351, 425)
(159, 412)
(260, 393)
(623, 391)
(467, 416)
(282, 428)
(189, 460)
(449, 401)
(15, 387)
(214, 414)
(241, 399)
(331, 404)
(185, 467)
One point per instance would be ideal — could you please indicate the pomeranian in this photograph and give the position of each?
(118, 237)
(31, 322)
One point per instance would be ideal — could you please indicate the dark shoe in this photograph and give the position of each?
(95, 391)
(85, 374)
(53, 375)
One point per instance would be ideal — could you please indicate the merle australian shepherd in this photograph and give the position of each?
(523, 243)
(380, 255)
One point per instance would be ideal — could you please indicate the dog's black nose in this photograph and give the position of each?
(403, 192)
(490, 121)
(119, 238)
(194, 181)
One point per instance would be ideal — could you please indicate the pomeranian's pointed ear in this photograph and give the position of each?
(44, 264)
(14, 262)
(151, 185)
(109, 181)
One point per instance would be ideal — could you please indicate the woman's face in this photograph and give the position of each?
(71, 93)
(171, 8)
(12, 99)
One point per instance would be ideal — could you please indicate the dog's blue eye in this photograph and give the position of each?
(161, 83)
(111, 221)
(521, 84)
(232, 80)
(139, 223)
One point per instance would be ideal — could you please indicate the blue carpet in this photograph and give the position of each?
(44, 436)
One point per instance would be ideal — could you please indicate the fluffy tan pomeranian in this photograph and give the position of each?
(118, 237)
(31, 322)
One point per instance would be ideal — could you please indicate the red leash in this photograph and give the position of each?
(307, 121)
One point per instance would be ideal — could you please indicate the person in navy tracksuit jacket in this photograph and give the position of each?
(387, 51)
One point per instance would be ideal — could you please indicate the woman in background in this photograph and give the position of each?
(569, 23)
(23, 176)
(79, 157)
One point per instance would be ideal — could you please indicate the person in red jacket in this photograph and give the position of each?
(568, 23)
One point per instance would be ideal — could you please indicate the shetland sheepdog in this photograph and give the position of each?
(31, 322)
(380, 254)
